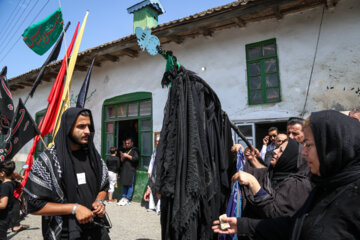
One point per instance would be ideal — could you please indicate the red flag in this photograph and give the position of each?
(48, 121)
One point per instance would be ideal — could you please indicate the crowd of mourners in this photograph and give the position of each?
(304, 183)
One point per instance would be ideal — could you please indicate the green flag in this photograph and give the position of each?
(42, 35)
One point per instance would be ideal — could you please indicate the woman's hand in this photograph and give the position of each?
(247, 179)
(236, 148)
(233, 225)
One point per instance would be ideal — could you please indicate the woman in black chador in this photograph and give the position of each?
(278, 191)
(332, 211)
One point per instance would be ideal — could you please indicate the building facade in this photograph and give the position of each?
(267, 61)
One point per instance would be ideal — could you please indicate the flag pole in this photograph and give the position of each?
(41, 138)
(65, 101)
(3, 71)
(43, 142)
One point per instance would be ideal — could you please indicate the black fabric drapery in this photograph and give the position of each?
(193, 164)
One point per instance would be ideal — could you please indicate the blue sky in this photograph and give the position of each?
(108, 20)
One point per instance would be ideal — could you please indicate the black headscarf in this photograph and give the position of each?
(286, 164)
(65, 157)
(337, 140)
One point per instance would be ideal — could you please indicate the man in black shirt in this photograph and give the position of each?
(68, 182)
(113, 165)
(129, 160)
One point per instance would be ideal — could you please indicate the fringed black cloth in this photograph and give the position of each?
(193, 164)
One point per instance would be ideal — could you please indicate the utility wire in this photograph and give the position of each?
(10, 26)
(11, 48)
(313, 63)
(11, 14)
(17, 30)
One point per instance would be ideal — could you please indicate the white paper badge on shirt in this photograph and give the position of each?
(81, 179)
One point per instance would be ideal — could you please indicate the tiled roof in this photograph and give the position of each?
(234, 14)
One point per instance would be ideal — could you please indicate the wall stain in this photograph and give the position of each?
(336, 98)
(73, 98)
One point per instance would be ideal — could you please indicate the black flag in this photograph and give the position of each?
(6, 105)
(53, 56)
(4, 71)
(23, 129)
(84, 88)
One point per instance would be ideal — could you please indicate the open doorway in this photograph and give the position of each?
(127, 128)
(262, 128)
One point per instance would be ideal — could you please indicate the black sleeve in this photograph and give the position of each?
(276, 228)
(39, 188)
(284, 200)
(135, 156)
(5, 190)
(33, 204)
(118, 165)
(107, 161)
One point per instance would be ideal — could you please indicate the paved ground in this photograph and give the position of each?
(129, 222)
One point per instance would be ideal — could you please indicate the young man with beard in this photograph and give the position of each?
(68, 182)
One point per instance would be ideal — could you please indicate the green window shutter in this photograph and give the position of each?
(263, 72)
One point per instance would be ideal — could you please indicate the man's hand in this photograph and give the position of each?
(83, 214)
(147, 195)
(256, 151)
(236, 148)
(233, 225)
(158, 195)
(266, 140)
(99, 209)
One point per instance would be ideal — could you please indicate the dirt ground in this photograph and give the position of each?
(128, 222)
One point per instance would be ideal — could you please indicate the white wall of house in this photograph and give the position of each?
(334, 81)
(336, 63)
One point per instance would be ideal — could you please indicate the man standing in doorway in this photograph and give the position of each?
(69, 181)
(295, 129)
(129, 162)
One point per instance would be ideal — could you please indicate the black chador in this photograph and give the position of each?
(193, 164)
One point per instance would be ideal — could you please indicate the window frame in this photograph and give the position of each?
(261, 60)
